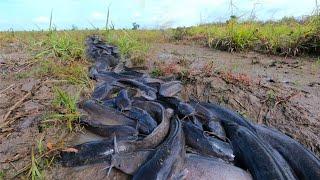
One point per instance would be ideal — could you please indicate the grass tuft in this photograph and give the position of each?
(66, 108)
(34, 172)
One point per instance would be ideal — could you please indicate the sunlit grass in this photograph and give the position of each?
(286, 37)
(66, 107)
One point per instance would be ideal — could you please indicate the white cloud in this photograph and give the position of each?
(41, 20)
(98, 16)
(136, 14)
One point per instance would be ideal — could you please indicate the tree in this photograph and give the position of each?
(135, 26)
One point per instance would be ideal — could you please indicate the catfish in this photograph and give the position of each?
(167, 161)
(254, 154)
(196, 139)
(203, 168)
(170, 89)
(303, 162)
(109, 131)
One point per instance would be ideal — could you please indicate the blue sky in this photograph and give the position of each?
(35, 14)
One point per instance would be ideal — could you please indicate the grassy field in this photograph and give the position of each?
(288, 37)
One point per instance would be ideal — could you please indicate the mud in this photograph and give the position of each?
(275, 91)
(278, 92)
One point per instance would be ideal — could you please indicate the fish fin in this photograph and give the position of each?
(116, 150)
(109, 171)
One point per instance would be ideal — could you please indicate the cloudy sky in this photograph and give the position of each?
(35, 14)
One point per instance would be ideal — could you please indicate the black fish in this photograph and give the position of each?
(104, 91)
(106, 115)
(167, 161)
(109, 131)
(103, 150)
(225, 114)
(122, 101)
(88, 153)
(152, 82)
(252, 153)
(148, 92)
(97, 50)
(303, 162)
(206, 145)
(185, 109)
(170, 89)
(146, 124)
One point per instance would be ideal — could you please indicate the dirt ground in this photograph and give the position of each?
(276, 91)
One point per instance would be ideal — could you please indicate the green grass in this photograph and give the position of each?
(66, 107)
(2, 175)
(34, 171)
(130, 46)
(285, 37)
(156, 72)
(63, 46)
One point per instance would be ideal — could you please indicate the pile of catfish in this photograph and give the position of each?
(150, 133)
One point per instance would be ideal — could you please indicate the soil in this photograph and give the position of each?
(276, 91)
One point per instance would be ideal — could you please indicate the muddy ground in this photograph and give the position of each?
(276, 91)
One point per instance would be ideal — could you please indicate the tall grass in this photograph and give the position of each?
(285, 37)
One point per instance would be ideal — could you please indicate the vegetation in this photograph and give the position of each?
(285, 37)
(288, 36)
(66, 107)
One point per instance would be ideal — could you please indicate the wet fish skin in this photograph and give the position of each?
(109, 103)
(146, 123)
(93, 72)
(88, 153)
(251, 153)
(113, 75)
(132, 73)
(209, 120)
(203, 168)
(145, 91)
(122, 101)
(109, 131)
(104, 91)
(102, 150)
(134, 83)
(106, 115)
(150, 141)
(206, 145)
(216, 128)
(170, 89)
(185, 109)
(303, 162)
(168, 159)
(225, 114)
(98, 50)
(202, 111)
(196, 122)
(152, 82)
(153, 108)
(130, 162)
